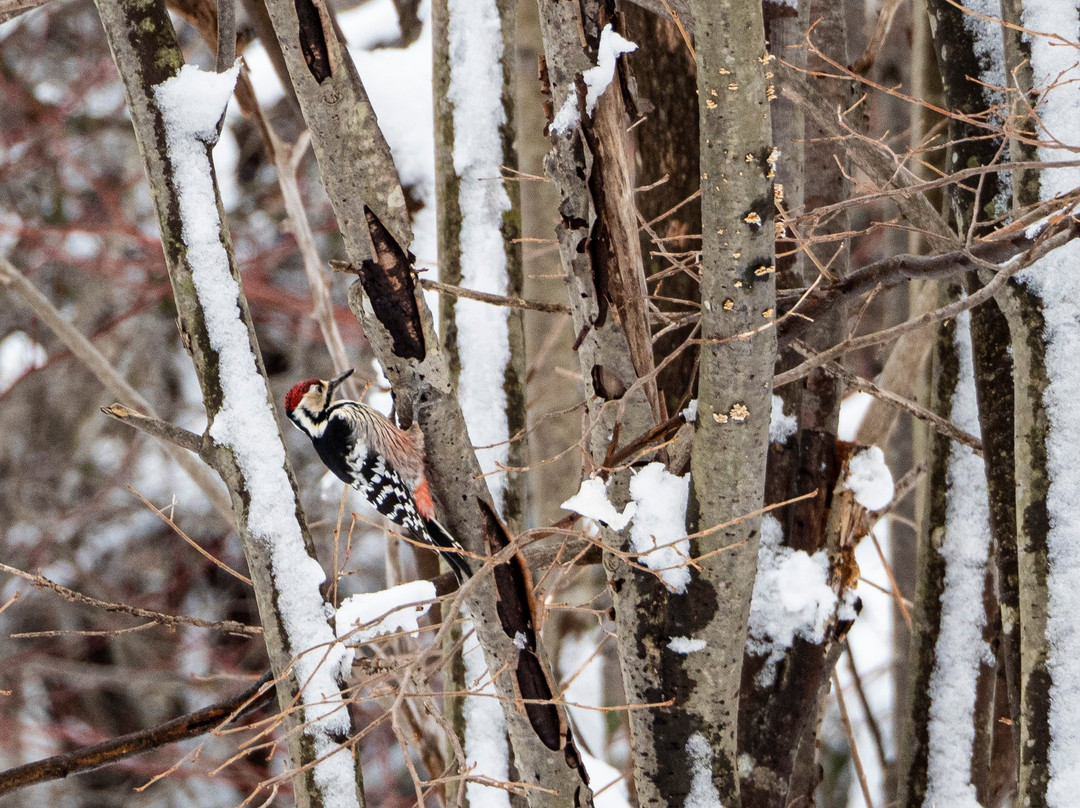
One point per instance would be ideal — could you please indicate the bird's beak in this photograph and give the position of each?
(334, 382)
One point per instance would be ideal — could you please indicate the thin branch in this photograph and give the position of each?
(93, 757)
(495, 300)
(171, 620)
(851, 741)
(195, 545)
(871, 721)
(155, 427)
(942, 425)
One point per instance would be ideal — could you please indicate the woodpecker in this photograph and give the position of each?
(363, 448)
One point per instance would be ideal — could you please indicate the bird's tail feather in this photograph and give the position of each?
(449, 548)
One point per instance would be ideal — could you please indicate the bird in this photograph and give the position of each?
(362, 447)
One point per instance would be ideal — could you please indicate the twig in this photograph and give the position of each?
(851, 741)
(495, 300)
(93, 757)
(900, 600)
(942, 425)
(155, 427)
(172, 620)
(871, 721)
(195, 545)
(472, 294)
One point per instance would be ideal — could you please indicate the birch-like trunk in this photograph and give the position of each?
(280, 556)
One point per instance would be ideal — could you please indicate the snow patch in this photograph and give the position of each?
(192, 105)
(596, 79)
(703, 793)
(657, 519)
(853, 410)
(690, 413)
(591, 501)
(870, 479)
(474, 34)
(658, 531)
(792, 598)
(487, 750)
(361, 618)
(686, 645)
(960, 648)
(781, 427)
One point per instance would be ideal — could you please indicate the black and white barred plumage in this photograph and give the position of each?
(386, 464)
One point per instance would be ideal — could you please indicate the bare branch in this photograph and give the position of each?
(172, 620)
(93, 757)
(162, 430)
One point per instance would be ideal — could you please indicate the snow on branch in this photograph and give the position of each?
(656, 516)
(483, 335)
(596, 79)
(192, 105)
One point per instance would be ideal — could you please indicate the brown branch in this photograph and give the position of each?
(471, 294)
(93, 757)
(171, 620)
(854, 382)
(162, 430)
(494, 300)
(1020, 262)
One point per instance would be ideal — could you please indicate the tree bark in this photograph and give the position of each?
(144, 47)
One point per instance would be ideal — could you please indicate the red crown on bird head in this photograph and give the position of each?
(292, 398)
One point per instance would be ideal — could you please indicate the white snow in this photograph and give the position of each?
(703, 793)
(192, 104)
(657, 518)
(658, 531)
(607, 783)
(474, 34)
(960, 649)
(361, 618)
(689, 414)
(792, 598)
(870, 479)
(596, 79)
(853, 410)
(1054, 64)
(781, 427)
(591, 501)
(19, 354)
(487, 749)
(581, 667)
(686, 645)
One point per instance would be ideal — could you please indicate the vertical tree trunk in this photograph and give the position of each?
(242, 441)
(737, 361)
